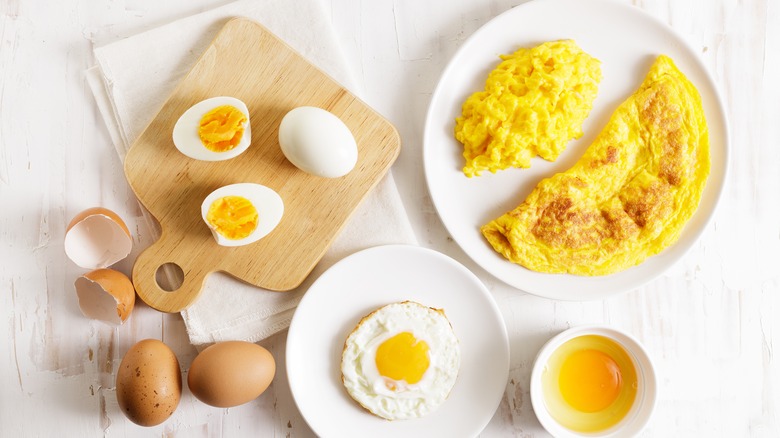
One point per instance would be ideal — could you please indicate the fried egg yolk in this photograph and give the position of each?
(402, 357)
(590, 380)
(233, 217)
(221, 129)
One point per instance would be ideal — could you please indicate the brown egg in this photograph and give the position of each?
(148, 383)
(231, 373)
(106, 295)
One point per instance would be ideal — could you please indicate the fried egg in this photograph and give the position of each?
(628, 197)
(533, 103)
(401, 361)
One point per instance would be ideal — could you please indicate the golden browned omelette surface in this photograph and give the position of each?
(630, 194)
(533, 103)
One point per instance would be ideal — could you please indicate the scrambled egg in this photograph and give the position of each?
(534, 102)
(629, 195)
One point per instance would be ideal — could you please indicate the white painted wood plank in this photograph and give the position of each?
(711, 322)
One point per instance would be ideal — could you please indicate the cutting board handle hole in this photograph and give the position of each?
(169, 276)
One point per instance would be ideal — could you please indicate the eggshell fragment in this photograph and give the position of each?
(106, 295)
(317, 142)
(231, 373)
(97, 238)
(148, 383)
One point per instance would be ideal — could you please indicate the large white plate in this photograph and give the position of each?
(627, 41)
(365, 281)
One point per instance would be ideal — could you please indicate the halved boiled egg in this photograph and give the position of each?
(214, 129)
(106, 295)
(97, 238)
(239, 214)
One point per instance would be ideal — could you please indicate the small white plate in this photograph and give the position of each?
(627, 41)
(365, 281)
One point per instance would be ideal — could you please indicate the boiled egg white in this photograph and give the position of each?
(214, 129)
(401, 361)
(240, 214)
(317, 142)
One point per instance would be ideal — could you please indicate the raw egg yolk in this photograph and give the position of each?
(221, 129)
(590, 380)
(233, 217)
(402, 357)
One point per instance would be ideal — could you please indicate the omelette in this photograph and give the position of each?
(630, 194)
(533, 103)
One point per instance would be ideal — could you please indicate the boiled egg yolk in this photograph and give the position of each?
(233, 217)
(402, 357)
(590, 380)
(221, 129)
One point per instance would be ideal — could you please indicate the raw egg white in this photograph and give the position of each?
(317, 142)
(589, 384)
(401, 361)
(240, 214)
(214, 129)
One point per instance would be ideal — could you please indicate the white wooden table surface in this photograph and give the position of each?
(712, 323)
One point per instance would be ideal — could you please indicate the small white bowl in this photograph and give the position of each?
(644, 404)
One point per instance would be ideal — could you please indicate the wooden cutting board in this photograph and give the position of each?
(246, 61)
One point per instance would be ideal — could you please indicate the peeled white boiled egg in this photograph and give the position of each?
(214, 129)
(318, 142)
(401, 361)
(239, 214)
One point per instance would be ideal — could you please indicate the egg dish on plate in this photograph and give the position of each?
(534, 102)
(628, 197)
(401, 361)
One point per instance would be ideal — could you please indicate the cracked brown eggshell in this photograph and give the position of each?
(106, 295)
(97, 238)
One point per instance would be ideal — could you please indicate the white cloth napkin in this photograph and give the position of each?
(133, 78)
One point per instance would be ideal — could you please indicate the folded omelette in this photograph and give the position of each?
(630, 194)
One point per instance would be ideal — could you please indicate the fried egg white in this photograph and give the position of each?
(628, 197)
(401, 361)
